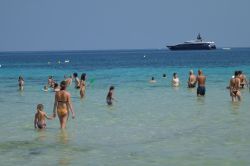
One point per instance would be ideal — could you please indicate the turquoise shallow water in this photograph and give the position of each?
(149, 125)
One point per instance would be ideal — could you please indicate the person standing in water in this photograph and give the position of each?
(201, 79)
(175, 80)
(82, 85)
(51, 82)
(63, 105)
(40, 117)
(21, 83)
(109, 98)
(243, 79)
(234, 87)
(68, 80)
(77, 81)
(191, 79)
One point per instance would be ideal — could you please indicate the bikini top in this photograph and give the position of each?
(62, 101)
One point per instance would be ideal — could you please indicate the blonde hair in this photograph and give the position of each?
(39, 107)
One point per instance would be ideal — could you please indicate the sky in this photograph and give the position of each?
(38, 25)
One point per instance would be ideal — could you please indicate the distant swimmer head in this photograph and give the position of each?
(75, 75)
(20, 78)
(191, 72)
(56, 85)
(199, 71)
(236, 73)
(39, 107)
(63, 85)
(174, 75)
(83, 76)
(111, 88)
(164, 75)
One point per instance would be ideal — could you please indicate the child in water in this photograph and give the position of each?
(109, 97)
(39, 120)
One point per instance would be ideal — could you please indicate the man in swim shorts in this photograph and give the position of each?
(201, 79)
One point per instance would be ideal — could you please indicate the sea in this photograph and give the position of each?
(148, 124)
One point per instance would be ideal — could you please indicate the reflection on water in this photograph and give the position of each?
(41, 135)
(21, 92)
(62, 137)
(64, 160)
(201, 100)
(235, 106)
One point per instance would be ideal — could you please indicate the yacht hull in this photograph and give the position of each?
(202, 46)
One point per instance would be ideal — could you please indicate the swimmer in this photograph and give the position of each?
(234, 87)
(51, 81)
(68, 80)
(45, 88)
(191, 79)
(77, 81)
(63, 105)
(175, 80)
(21, 83)
(243, 79)
(152, 80)
(109, 98)
(56, 87)
(40, 118)
(201, 79)
(82, 85)
(164, 75)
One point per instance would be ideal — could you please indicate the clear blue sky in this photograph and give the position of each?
(120, 24)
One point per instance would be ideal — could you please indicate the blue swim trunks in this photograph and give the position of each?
(201, 90)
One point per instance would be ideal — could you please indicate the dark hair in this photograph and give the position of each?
(20, 78)
(236, 73)
(111, 88)
(63, 85)
(239, 72)
(164, 75)
(75, 74)
(152, 78)
(55, 85)
(83, 76)
(40, 107)
(174, 74)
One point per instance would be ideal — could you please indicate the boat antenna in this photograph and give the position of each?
(199, 37)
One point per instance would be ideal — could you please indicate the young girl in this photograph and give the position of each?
(109, 97)
(40, 116)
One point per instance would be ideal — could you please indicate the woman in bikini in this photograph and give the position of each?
(234, 87)
(82, 85)
(63, 105)
(109, 98)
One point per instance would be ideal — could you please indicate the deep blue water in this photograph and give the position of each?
(91, 60)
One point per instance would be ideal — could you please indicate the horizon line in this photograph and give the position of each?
(79, 50)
